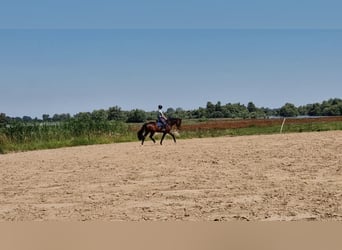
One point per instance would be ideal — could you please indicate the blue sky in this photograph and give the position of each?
(74, 56)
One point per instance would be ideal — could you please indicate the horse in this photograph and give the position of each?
(152, 128)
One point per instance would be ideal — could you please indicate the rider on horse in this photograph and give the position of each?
(161, 118)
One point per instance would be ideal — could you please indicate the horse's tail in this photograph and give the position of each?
(141, 132)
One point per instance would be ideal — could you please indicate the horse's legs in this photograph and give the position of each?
(144, 136)
(174, 138)
(161, 141)
(151, 136)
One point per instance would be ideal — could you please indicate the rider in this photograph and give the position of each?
(161, 117)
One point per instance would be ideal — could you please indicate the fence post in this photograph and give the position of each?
(282, 125)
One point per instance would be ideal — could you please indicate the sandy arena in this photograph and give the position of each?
(253, 178)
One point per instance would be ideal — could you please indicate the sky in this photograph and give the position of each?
(78, 56)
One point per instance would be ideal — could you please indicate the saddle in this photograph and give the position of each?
(160, 125)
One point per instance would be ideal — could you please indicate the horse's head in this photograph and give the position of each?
(175, 121)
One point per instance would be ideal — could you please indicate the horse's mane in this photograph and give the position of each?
(178, 121)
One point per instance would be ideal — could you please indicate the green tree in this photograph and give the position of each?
(218, 106)
(3, 120)
(199, 113)
(83, 116)
(333, 110)
(314, 109)
(210, 109)
(170, 112)
(302, 110)
(235, 110)
(136, 115)
(46, 117)
(251, 107)
(181, 113)
(288, 110)
(27, 118)
(99, 115)
(60, 117)
(115, 113)
(218, 111)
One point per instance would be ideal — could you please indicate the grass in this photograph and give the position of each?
(261, 130)
(23, 137)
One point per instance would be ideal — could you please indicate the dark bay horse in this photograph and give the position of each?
(152, 128)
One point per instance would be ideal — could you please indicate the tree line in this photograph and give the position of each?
(331, 107)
